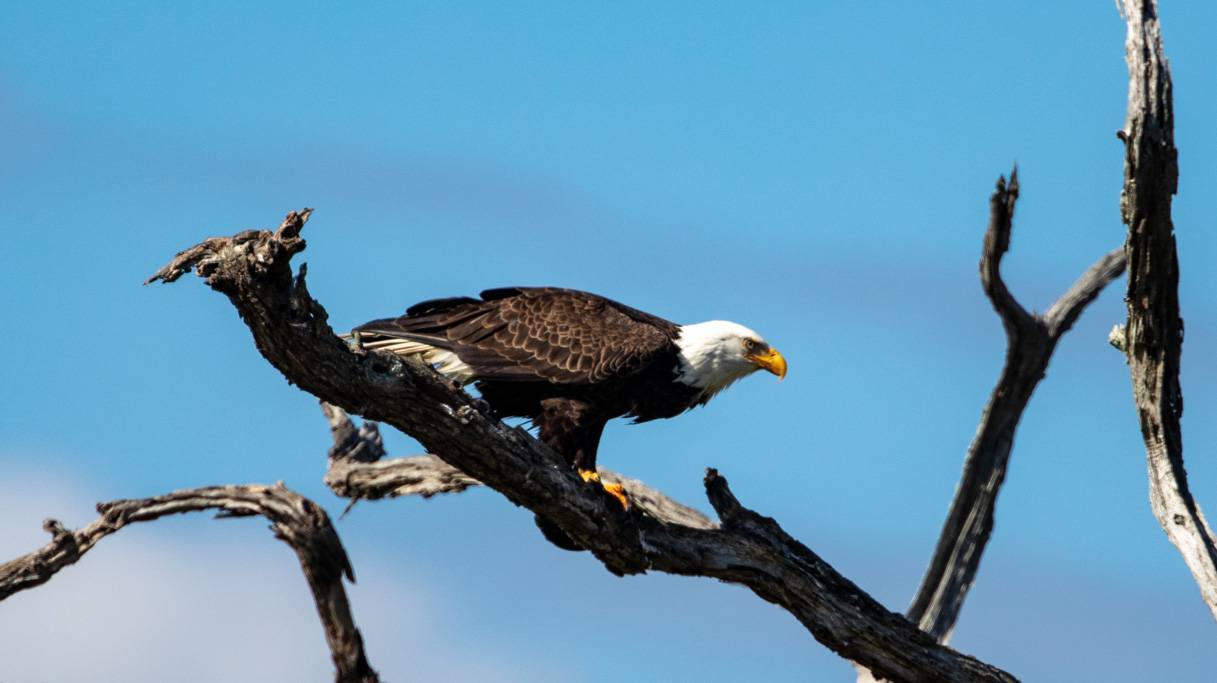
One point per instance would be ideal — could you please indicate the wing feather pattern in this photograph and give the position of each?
(525, 334)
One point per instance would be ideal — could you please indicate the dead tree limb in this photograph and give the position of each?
(290, 329)
(356, 472)
(1153, 338)
(296, 520)
(1030, 342)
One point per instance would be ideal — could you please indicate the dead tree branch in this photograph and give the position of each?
(1153, 337)
(350, 475)
(290, 329)
(296, 520)
(357, 472)
(1030, 342)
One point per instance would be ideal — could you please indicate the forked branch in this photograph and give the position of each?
(291, 331)
(1030, 342)
(296, 520)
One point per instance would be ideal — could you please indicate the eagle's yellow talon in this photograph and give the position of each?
(615, 490)
(618, 491)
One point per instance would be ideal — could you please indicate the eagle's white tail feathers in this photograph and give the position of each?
(445, 362)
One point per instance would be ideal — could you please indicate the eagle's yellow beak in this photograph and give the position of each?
(772, 361)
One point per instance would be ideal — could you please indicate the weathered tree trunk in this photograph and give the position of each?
(1153, 338)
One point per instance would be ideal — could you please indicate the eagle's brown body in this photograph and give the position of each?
(569, 361)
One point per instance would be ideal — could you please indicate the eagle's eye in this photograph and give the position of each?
(749, 344)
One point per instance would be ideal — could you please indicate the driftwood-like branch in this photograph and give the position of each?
(357, 472)
(1153, 337)
(1030, 341)
(291, 331)
(296, 520)
(351, 476)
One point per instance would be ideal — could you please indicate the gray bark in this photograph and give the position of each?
(1153, 337)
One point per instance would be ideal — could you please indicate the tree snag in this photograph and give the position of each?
(1153, 338)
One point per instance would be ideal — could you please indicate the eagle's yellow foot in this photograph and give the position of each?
(618, 491)
(615, 490)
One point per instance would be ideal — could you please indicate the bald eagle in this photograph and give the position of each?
(570, 361)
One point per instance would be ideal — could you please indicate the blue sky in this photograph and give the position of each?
(818, 172)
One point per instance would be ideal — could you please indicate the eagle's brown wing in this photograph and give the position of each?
(525, 334)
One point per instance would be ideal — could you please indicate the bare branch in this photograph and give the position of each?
(997, 243)
(357, 472)
(1030, 342)
(290, 330)
(350, 444)
(296, 520)
(1153, 337)
(1064, 313)
(420, 475)
(427, 475)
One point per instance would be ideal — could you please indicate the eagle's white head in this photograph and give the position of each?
(715, 354)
